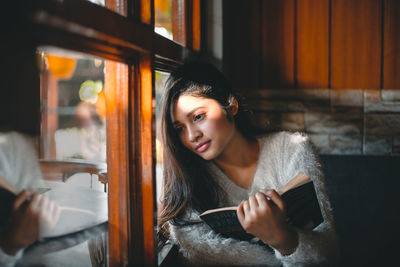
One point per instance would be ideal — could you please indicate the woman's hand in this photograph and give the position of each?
(264, 216)
(31, 211)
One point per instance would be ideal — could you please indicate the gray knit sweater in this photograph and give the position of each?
(282, 156)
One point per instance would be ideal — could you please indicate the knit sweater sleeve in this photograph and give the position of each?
(199, 245)
(320, 245)
(19, 163)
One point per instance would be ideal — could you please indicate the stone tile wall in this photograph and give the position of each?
(345, 121)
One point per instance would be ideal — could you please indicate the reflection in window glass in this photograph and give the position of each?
(117, 6)
(73, 107)
(98, 2)
(73, 153)
(160, 79)
(163, 20)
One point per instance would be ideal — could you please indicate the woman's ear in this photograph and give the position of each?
(234, 107)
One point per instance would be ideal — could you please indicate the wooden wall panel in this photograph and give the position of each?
(242, 43)
(391, 55)
(277, 43)
(312, 44)
(356, 43)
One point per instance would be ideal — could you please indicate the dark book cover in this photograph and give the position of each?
(6, 199)
(302, 210)
(227, 224)
(302, 206)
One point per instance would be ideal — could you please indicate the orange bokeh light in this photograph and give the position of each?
(61, 67)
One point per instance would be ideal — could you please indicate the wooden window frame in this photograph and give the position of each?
(126, 35)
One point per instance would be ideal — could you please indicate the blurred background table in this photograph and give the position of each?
(54, 169)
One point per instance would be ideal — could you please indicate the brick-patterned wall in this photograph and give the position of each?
(345, 121)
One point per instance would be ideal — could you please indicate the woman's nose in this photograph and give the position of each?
(194, 134)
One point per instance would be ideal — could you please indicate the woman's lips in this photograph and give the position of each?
(203, 146)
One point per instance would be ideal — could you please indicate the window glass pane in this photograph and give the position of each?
(73, 158)
(160, 79)
(169, 19)
(73, 106)
(163, 21)
(98, 2)
(118, 6)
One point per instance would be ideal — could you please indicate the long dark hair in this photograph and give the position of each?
(187, 183)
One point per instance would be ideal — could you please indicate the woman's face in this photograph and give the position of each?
(202, 125)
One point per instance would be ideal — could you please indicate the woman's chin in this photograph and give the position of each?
(206, 155)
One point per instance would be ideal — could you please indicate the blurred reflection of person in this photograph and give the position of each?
(84, 136)
(19, 165)
(91, 125)
(20, 173)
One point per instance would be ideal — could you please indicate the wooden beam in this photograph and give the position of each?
(116, 83)
(71, 16)
(142, 185)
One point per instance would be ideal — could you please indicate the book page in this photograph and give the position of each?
(296, 181)
(217, 210)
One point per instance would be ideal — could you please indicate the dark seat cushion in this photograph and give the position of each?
(364, 192)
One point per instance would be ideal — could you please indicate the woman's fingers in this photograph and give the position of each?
(53, 214)
(35, 202)
(246, 206)
(253, 202)
(50, 209)
(48, 212)
(21, 198)
(265, 192)
(240, 212)
(261, 199)
(47, 209)
(56, 213)
(276, 198)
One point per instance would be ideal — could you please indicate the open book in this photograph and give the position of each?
(80, 209)
(302, 210)
(8, 194)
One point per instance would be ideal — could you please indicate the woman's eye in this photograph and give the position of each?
(198, 117)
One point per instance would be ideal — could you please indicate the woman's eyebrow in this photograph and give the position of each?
(192, 111)
(188, 115)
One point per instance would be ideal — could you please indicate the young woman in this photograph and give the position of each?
(213, 158)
